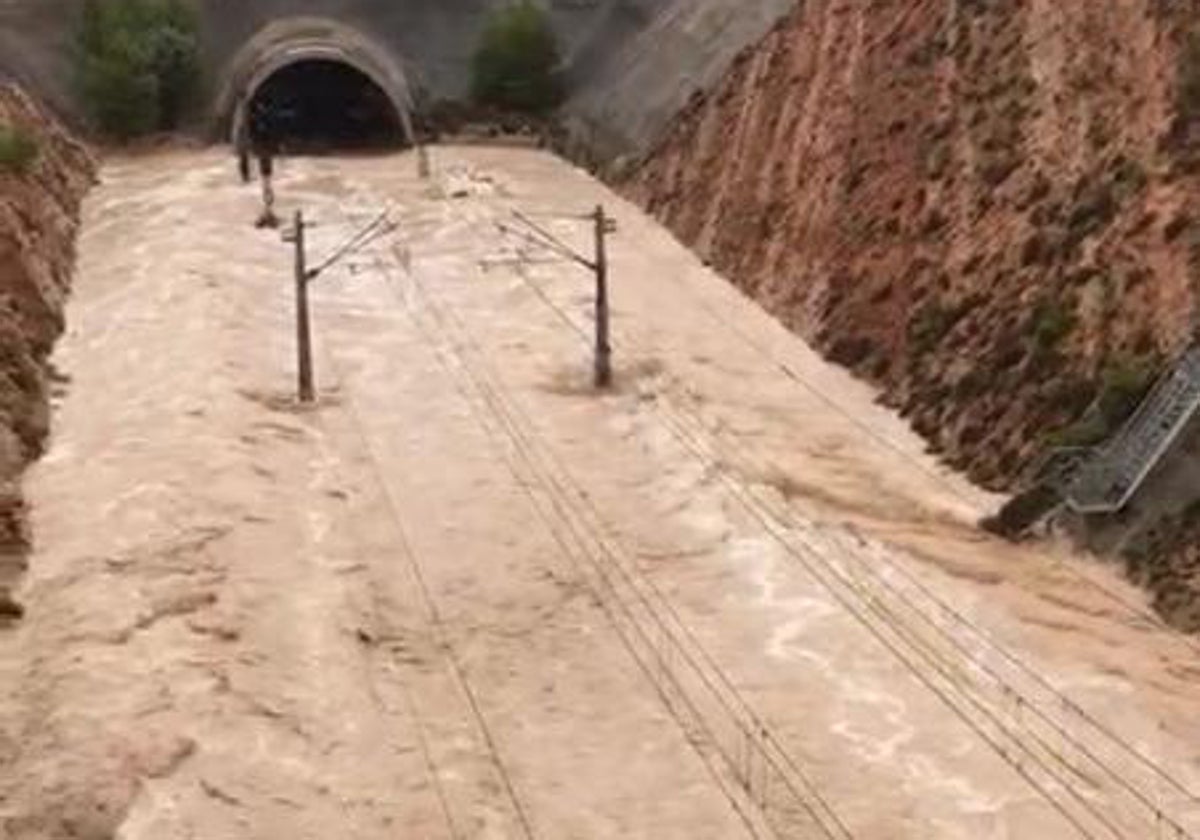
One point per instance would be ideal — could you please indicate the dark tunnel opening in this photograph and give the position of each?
(316, 106)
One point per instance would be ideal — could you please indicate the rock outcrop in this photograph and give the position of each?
(39, 217)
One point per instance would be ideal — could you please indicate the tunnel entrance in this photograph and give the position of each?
(321, 105)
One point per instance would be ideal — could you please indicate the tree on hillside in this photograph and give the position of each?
(516, 64)
(18, 150)
(139, 63)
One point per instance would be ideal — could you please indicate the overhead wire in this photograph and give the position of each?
(433, 612)
(559, 493)
(558, 520)
(1140, 757)
(799, 380)
(914, 640)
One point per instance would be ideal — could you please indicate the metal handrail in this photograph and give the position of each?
(1118, 468)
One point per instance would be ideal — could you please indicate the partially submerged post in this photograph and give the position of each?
(303, 327)
(603, 356)
(598, 265)
(423, 168)
(379, 226)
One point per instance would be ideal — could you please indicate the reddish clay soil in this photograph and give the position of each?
(984, 208)
(39, 216)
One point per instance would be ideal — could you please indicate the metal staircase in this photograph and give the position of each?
(1112, 474)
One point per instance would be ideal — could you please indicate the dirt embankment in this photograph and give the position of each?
(985, 208)
(39, 213)
(990, 210)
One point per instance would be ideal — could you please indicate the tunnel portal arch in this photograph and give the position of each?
(292, 41)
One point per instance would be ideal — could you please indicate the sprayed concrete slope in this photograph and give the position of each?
(446, 602)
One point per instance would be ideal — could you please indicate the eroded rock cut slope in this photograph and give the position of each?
(986, 208)
(39, 212)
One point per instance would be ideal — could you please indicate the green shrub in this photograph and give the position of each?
(120, 94)
(1051, 322)
(516, 64)
(1188, 70)
(934, 319)
(1129, 177)
(1090, 430)
(937, 157)
(139, 63)
(1124, 384)
(18, 150)
(1095, 208)
(929, 325)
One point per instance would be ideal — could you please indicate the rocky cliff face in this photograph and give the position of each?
(39, 211)
(989, 209)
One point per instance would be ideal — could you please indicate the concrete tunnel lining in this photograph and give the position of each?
(286, 42)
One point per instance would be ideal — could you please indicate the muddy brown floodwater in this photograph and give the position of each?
(465, 597)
